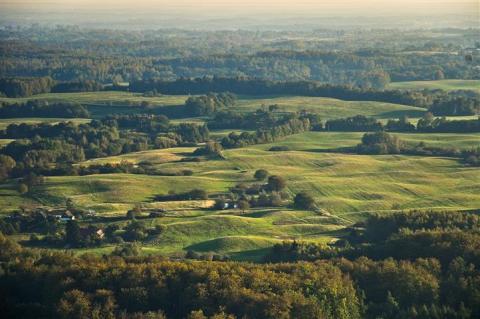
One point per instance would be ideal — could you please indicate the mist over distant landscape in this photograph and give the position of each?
(234, 14)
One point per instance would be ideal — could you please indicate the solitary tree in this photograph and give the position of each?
(243, 205)
(303, 200)
(261, 174)
(6, 165)
(276, 183)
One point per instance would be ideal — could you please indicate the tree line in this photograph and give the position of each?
(384, 143)
(287, 126)
(439, 102)
(38, 108)
(39, 146)
(28, 86)
(428, 124)
(210, 103)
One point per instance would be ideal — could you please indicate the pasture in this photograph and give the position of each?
(104, 103)
(329, 108)
(446, 85)
(341, 183)
(346, 187)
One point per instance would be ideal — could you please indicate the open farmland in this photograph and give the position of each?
(447, 85)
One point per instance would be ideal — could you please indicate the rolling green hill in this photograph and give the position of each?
(346, 187)
(329, 108)
(103, 103)
(447, 85)
(341, 183)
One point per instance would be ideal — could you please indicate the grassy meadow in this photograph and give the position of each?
(103, 103)
(110, 98)
(329, 108)
(446, 85)
(345, 186)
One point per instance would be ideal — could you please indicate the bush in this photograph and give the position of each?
(276, 183)
(303, 200)
(261, 174)
(380, 143)
(127, 250)
(22, 188)
(243, 205)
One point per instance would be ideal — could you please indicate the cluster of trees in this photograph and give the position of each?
(385, 143)
(27, 182)
(38, 108)
(263, 119)
(6, 166)
(65, 143)
(209, 104)
(41, 153)
(28, 223)
(211, 149)
(357, 123)
(255, 86)
(269, 194)
(455, 105)
(28, 86)
(287, 126)
(147, 123)
(400, 125)
(77, 86)
(83, 229)
(407, 265)
(88, 236)
(380, 143)
(21, 87)
(428, 123)
(441, 125)
(64, 286)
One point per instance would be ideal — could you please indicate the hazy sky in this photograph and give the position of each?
(238, 13)
(244, 6)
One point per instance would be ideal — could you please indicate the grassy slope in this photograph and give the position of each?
(342, 183)
(104, 97)
(4, 142)
(103, 103)
(312, 141)
(447, 85)
(332, 108)
(345, 185)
